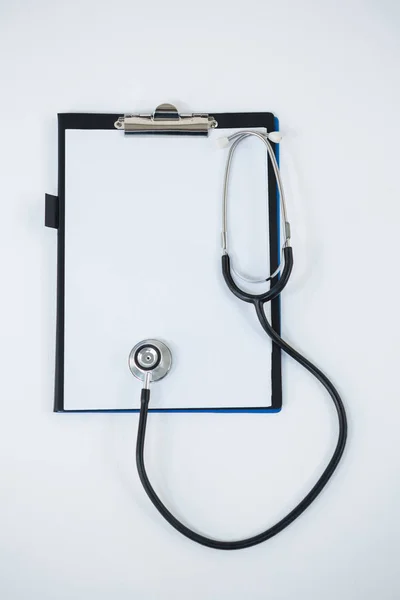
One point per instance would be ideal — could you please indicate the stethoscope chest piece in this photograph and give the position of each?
(150, 357)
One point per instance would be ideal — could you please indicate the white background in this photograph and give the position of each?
(75, 522)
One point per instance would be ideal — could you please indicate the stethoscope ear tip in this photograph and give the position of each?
(222, 142)
(274, 136)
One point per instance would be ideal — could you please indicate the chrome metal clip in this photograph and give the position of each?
(166, 120)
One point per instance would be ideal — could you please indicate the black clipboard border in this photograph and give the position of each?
(89, 121)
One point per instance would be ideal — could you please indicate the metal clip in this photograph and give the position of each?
(167, 120)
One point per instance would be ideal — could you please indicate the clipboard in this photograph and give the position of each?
(56, 216)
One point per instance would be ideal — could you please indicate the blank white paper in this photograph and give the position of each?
(143, 260)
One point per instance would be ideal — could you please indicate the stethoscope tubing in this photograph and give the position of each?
(301, 506)
(259, 301)
(266, 296)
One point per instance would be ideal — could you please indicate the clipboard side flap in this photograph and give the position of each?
(51, 211)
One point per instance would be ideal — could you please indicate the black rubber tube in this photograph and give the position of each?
(307, 500)
(270, 294)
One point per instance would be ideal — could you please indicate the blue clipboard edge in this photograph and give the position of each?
(90, 121)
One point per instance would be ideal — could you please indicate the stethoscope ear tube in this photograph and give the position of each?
(270, 294)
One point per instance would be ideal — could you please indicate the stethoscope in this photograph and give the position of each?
(150, 360)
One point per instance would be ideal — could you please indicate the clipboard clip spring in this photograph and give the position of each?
(166, 120)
